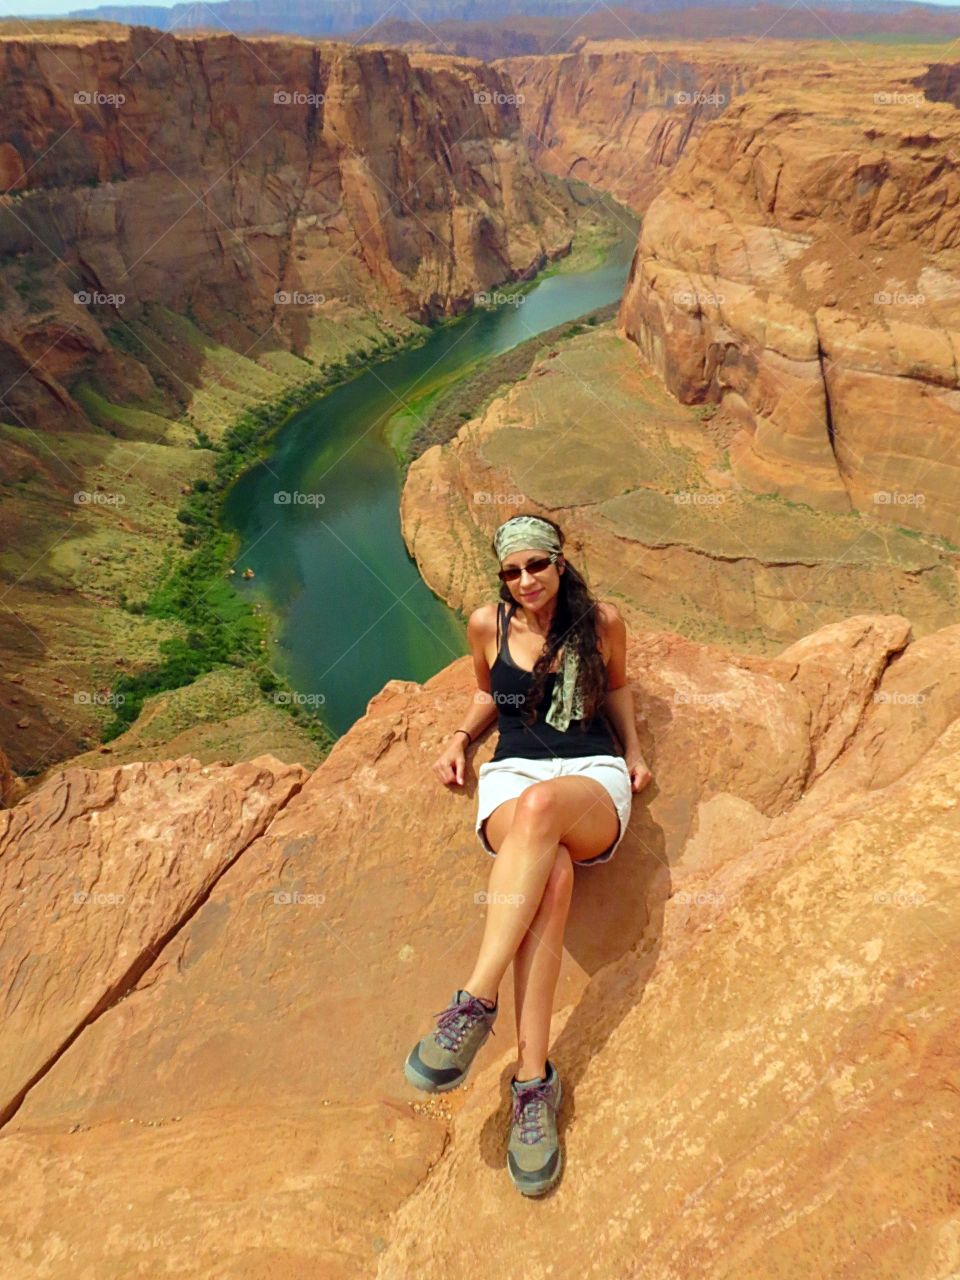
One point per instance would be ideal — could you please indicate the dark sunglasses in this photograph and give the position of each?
(512, 573)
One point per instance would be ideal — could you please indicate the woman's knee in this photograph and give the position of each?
(537, 809)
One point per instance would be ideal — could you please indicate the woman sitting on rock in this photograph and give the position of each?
(557, 791)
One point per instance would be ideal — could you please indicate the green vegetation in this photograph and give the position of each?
(221, 629)
(438, 415)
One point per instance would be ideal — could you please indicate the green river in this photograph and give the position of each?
(329, 559)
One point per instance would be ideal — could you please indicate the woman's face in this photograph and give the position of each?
(533, 590)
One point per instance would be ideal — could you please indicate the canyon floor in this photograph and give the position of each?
(643, 488)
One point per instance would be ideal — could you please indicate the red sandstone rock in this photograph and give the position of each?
(797, 268)
(376, 177)
(618, 114)
(755, 1012)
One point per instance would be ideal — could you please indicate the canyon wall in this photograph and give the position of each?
(210, 977)
(191, 226)
(246, 184)
(801, 269)
(618, 115)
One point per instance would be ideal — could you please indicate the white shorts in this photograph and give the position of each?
(501, 780)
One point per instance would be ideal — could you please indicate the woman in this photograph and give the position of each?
(556, 792)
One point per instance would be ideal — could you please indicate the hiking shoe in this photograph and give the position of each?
(441, 1060)
(533, 1154)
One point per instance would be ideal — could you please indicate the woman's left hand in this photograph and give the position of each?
(640, 773)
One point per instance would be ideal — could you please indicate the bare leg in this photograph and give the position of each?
(536, 968)
(577, 811)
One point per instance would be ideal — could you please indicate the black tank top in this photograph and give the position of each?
(509, 685)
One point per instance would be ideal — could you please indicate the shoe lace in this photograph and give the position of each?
(454, 1021)
(529, 1109)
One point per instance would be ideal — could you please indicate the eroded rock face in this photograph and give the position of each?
(657, 520)
(757, 987)
(798, 268)
(618, 115)
(249, 183)
(9, 783)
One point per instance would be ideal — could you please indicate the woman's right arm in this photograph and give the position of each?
(450, 765)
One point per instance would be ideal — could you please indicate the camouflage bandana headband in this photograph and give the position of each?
(522, 533)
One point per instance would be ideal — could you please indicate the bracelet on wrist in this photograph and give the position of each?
(469, 739)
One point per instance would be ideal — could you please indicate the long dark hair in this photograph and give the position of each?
(575, 622)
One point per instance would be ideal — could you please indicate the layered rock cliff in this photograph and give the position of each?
(189, 226)
(801, 269)
(618, 114)
(210, 976)
(653, 512)
(246, 183)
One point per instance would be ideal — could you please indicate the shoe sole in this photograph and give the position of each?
(428, 1086)
(532, 1192)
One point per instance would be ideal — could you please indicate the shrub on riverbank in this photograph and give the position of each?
(221, 628)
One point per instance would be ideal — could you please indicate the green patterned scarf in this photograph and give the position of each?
(530, 533)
